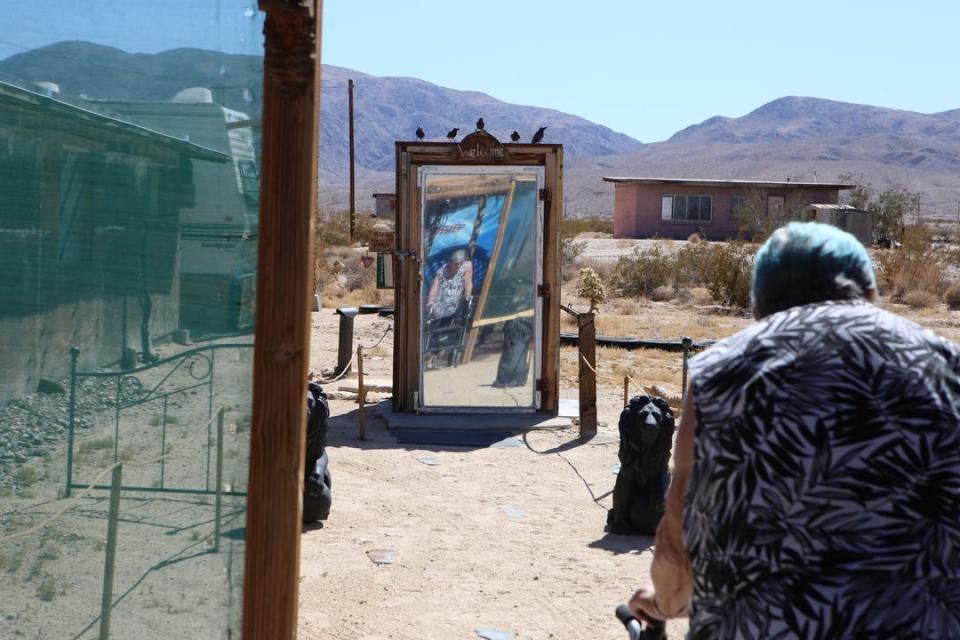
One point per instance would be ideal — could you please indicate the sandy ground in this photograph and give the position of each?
(504, 538)
(170, 580)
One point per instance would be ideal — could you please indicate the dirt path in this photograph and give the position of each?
(505, 538)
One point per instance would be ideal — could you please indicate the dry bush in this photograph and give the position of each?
(725, 269)
(604, 268)
(643, 271)
(333, 228)
(571, 227)
(915, 266)
(701, 297)
(662, 294)
(692, 263)
(570, 250)
(920, 299)
(730, 270)
(952, 297)
(342, 280)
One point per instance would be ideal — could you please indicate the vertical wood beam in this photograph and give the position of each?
(552, 215)
(288, 196)
(587, 365)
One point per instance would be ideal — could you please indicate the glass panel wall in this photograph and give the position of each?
(129, 147)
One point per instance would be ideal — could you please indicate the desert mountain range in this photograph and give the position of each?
(793, 137)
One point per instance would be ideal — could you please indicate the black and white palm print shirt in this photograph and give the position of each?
(823, 501)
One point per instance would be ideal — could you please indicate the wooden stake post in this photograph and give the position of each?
(587, 348)
(361, 394)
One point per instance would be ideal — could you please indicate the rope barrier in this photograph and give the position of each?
(353, 360)
(82, 494)
(377, 344)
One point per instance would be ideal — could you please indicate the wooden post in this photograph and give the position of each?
(626, 390)
(587, 351)
(344, 343)
(353, 192)
(106, 598)
(361, 393)
(288, 197)
(218, 504)
(686, 343)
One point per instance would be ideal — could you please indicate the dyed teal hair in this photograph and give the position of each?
(807, 262)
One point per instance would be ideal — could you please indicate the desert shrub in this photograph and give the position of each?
(342, 280)
(48, 588)
(700, 296)
(571, 227)
(662, 294)
(952, 297)
(724, 269)
(692, 263)
(570, 250)
(604, 268)
(920, 299)
(333, 228)
(643, 271)
(730, 269)
(917, 265)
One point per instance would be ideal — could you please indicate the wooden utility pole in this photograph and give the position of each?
(288, 205)
(353, 193)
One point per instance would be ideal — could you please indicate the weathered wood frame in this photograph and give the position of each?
(288, 196)
(407, 285)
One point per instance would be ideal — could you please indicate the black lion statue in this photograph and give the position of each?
(646, 436)
(317, 484)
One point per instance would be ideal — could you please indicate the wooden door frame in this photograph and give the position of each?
(407, 285)
(288, 197)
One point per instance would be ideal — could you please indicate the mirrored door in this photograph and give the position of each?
(480, 319)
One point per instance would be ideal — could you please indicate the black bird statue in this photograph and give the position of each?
(538, 136)
(515, 136)
(480, 124)
(420, 133)
(452, 134)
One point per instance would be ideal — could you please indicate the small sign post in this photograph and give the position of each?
(385, 270)
(381, 242)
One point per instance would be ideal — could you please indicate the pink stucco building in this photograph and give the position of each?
(676, 207)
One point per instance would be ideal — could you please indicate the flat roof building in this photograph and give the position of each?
(714, 209)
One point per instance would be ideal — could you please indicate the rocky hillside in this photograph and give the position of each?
(801, 139)
(793, 137)
(386, 109)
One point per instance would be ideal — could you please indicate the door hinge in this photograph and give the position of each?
(543, 290)
(545, 195)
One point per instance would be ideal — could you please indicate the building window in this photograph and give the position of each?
(679, 208)
(737, 203)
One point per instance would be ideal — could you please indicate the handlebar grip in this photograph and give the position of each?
(632, 624)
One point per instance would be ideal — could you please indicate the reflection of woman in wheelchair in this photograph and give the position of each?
(449, 308)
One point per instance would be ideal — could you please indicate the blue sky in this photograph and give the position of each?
(644, 68)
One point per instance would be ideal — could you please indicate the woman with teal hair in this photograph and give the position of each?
(816, 488)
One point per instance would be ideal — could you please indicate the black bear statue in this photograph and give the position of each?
(646, 437)
(317, 485)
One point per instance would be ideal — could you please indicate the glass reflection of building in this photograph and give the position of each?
(120, 223)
